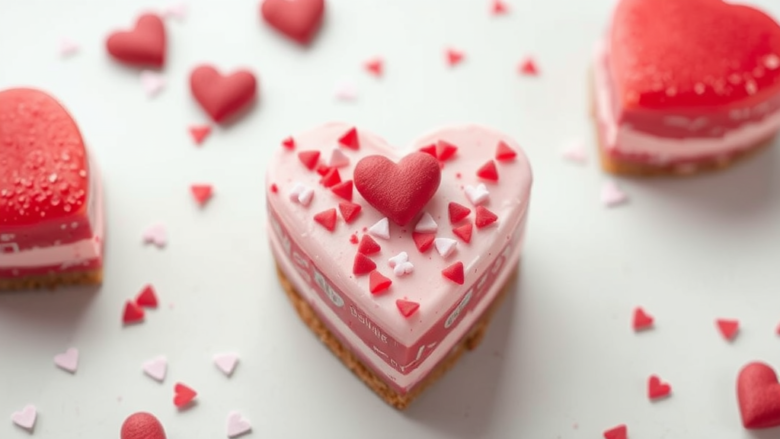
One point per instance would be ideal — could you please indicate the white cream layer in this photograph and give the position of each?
(662, 149)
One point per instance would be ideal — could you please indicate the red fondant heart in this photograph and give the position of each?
(759, 396)
(142, 426)
(44, 172)
(399, 191)
(183, 395)
(144, 45)
(298, 19)
(693, 53)
(222, 96)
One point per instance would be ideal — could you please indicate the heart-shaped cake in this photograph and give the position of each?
(51, 220)
(685, 86)
(396, 258)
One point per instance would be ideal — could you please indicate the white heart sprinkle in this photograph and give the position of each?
(381, 229)
(612, 195)
(445, 246)
(575, 152)
(426, 224)
(338, 159)
(477, 195)
(226, 362)
(156, 368)
(68, 360)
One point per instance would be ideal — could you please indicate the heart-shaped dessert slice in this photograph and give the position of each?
(297, 19)
(758, 393)
(685, 86)
(144, 45)
(51, 224)
(222, 96)
(399, 277)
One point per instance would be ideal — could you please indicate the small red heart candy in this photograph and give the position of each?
(142, 426)
(657, 389)
(222, 96)
(399, 191)
(298, 19)
(758, 393)
(183, 395)
(142, 46)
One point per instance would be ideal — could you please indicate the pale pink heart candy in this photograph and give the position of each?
(381, 229)
(345, 91)
(152, 82)
(156, 368)
(26, 417)
(68, 360)
(237, 425)
(575, 152)
(176, 10)
(338, 159)
(156, 234)
(477, 195)
(68, 47)
(426, 224)
(612, 195)
(226, 362)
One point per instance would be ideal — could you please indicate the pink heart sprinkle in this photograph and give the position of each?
(345, 91)
(26, 417)
(575, 152)
(176, 10)
(226, 362)
(156, 368)
(152, 82)
(68, 47)
(157, 235)
(237, 425)
(68, 361)
(611, 195)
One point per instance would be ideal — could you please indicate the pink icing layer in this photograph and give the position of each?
(86, 254)
(403, 345)
(705, 138)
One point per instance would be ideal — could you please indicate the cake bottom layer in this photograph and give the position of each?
(385, 391)
(53, 280)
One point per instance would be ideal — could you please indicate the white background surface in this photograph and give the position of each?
(560, 360)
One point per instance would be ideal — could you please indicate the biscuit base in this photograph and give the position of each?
(52, 281)
(400, 401)
(628, 168)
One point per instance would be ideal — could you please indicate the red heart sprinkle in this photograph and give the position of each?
(504, 152)
(368, 246)
(457, 212)
(199, 133)
(222, 96)
(454, 57)
(488, 171)
(350, 139)
(375, 67)
(299, 20)
(183, 395)
(758, 393)
(201, 192)
(642, 320)
(327, 219)
(274, 188)
(484, 217)
(343, 190)
(657, 389)
(133, 313)
(406, 307)
(528, 67)
(362, 265)
(349, 211)
(323, 169)
(399, 191)
(142, 46)
(309, 158)
(454, 273)
(423, 241)
(728, 328)
(331, 179)
(147, 298)
(378, 283)
(619, 432)
(142, 426)
(289, 143)
(464, 232)
(445, 150)
(353, 239)
(499, 7)
(430, 149)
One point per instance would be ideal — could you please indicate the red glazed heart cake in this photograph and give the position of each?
(51, 225)
(685, 86)
(396, 259)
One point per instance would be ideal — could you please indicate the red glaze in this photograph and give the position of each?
(142, 426)
(44, 173)
(222, 96)
(297, 19)
(759, 396)
(144, 45)
(398, 191)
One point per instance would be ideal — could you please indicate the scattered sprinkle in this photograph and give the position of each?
(504, 152)
(368, 246)
(327, 219)
(349, 211)
(152, 82)
(423, 241)
(377, 283)
(68, 360)
(353, 239)
(528, 67)
(454, 57)
(400, 264)
(274, 188)
(426, 224)
(488, 171)
(202, 193)
(612, 195)
(457, 212)
(619, 432)
(309, 158)
(455, 273)
(445, 246)
(176, 10)
(575, 152)
(338, 159)
(375, 66)
(199, 133)
(381, 229)
(133, 313)
(484, 217)
(445, 150)
(728, 328)
(642, 320)
(345, 91)
(464, 232)
(156, 368)
(68, 47)
(498, 7)
(362, 265)
(156, 234)
(289, 143)
(237, 425)
(26, 417)
(147, 298)
(183, 396)
(406, 307)
(430, 149)
(226, 362)
(350, 139)
(331, 179)
(657, 389)
(343, 190)
(301, 194)
(477, 195)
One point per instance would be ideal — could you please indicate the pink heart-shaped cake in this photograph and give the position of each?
(396, 258)
(51, 220)
(685, 86)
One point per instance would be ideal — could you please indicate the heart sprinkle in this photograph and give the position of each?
(528, 68)
(68, 360)
(504, 153)
(657, 389)
(68, 47)
(133, 313)
(199, 133)
(237, 425)
(368, 246)
(289, 143)
(484, 217)
(611, 195)
(142, 426)
(423, 241)
(327, 219)
(728, 328)
(377, 283)
(301, 194)
(488, 172)
(156, 234)
(477, 195)
(156, 368)
(575, 152)
(619, 432)
(349, 211)
(343, 190)
(26, 417)
(445, 246)
(375, 67)
(350, 139)
(226, 362)
(362, 265)
(642, 321)
(202, 193)
(400, 264)
(464, 232)
(454, 57)
(152, 82)
(147, 298)
(407, 308)
(309, 158)
(381, 229)
(183, 396)
(457, 212)
(758, 393)
(455, 273)
(426, 224)
(222, 96)
(338, 159)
